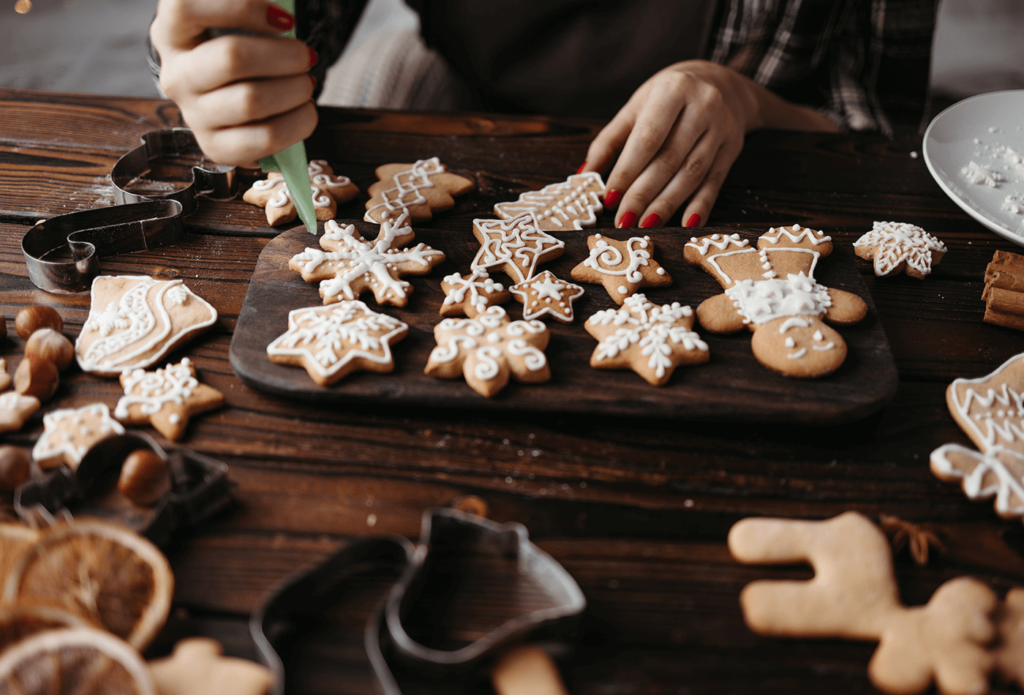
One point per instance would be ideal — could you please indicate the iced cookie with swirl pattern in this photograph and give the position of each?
(515, 247)
(622, 267)
(469, 295)
(419, 189)
(570, 204)
(136, 320)
(165, 398)
(897, 246)
(329, 191)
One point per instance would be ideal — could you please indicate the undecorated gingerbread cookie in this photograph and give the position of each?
(419, 189)
(165, 398)
(570, 204)
(546, 295)
(198, 667)
(468, 295)
(896, 246)
(68, 433)
(623, 267)
(329, 191)
(515, 247)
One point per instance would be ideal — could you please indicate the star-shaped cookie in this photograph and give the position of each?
(418, 190)
(68, 433)
(570, 204)
(333, 341)
(544, 294)
(15, 409)
(622, 267)
(328, 192)
(166, 398)
(515, 246)
(896, 246)
(468, 295)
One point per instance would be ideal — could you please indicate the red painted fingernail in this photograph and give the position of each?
(612, 198)
(313, 80)
(279, 19)
(693, 221)
(582, 167)
(651, 220)
(628, 219)
(312, 57)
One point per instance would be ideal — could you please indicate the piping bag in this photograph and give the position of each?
(292, 163)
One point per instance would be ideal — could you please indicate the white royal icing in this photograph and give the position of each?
(320, 182)
(762, 301)
(898, 242)
(153, 390)
(502, 338)
(603, 257)
(408, 188)
(516, 245)
(91, 423)
(795, 234)
(1001, 420)
(478, 286)
(570, 204)
(1006, 486)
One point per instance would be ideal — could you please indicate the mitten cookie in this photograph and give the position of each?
(571, 204)
(896, 246)
(515, 246)
(623, 267)
(419, 189)
(328, 192)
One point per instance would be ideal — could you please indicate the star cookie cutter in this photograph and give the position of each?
(62, 253)
(199, 488)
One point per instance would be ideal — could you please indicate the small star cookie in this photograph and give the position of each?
(198, 667)
(546, 294)
(333, 341)
(419, 189)
(488, 349)
(622, 267)
(468, 295)
(349, 264)
(328, 192)
(570, 204)
(15, 409)
(68, 433)
(896, 246)
(515, 246)
(649, 339)
(165, 398)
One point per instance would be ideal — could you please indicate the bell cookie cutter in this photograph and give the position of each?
(62, 253)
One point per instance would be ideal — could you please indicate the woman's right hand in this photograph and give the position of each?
(244, 96)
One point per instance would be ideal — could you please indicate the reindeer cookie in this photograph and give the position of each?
(771, 290)
(854, 595)
(571, 204)
(419, 189)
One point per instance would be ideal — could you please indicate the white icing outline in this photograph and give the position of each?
(566, 204)
(493, 322)
(408, 182)
(897, 242)
(509, 244)
(45, 449)
(1006, 396)
(1006, 487)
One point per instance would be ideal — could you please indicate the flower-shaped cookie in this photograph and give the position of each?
(545, 294)
(896, 246)
(571, 204)
(468, 295)
(165, 398)
(622, 267)
(515, 246)
(68, 433)
(328, 192)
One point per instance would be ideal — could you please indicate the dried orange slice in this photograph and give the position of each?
(76, 661)
(14, 540)
(19, 622)
(112, 577)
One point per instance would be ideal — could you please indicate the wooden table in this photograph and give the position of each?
(636, 510)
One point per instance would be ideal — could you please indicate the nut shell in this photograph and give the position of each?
(32, 318)
(48, 344)
(36, 377)
(144, 478)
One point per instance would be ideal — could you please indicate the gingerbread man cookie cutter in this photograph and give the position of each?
(63, 252)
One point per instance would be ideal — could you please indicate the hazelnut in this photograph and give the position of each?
(36, 377)
(48, 344)
(5, 378)
(144, 478)
(32, 318)
(15, 465)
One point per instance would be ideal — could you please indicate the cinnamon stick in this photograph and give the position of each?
(1004, 290)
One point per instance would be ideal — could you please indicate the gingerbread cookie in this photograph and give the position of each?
(329, 191)
(135, 320)
(419, 189)
(649, 339)
(468, 295)
(15, 409)
(623, 267)
(488, 349)
(333, 341)
(546, 295)
(571, 204)
(68, 433)
(349, 265)
(165, 398)
(515, 246)
(198, 667)
(771, 290)
(896, 246)
(854, 595)
(1009, 652)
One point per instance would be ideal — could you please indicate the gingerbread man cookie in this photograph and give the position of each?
(68, 433)
(198, 667)
(15, 409)
(571, 204)
(546, 295)
(135, 320)
(488, 349)
(333, 341)
(419, 189)
(771, 290)
(468, 295)
(896, 246)
(329, 191)
(623, 267)
(854, 595)
(649, 339)
(165, 398)
(349, 265)
(515, 246)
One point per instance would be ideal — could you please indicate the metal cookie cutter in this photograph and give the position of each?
(63, 253)
(199, 489)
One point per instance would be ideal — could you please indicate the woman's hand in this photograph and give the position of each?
(244, 96)
(678, 136)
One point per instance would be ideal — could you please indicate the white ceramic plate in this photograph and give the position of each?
(980, 129)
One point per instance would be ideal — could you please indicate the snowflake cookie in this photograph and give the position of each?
(895, 246)
(333, 341)
(468, 295)
(649, 339)
(15, 409)
(349, 265)
(571, 204)
(418, 189)
(622, 267)
(134, 321)
(516, 246)
(545, 294)
(328, 192)
(69, 433)
(488, 349)
(165, 398)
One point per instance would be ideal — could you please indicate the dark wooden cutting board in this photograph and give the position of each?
(732, 384)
